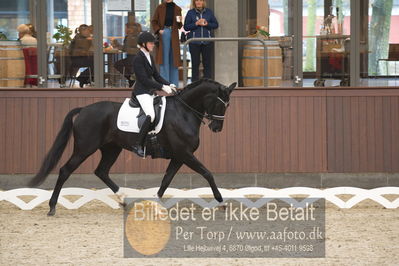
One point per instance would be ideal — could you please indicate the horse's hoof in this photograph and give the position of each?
(219, 198)
(51, 212)
(120, 198)
(159, 194)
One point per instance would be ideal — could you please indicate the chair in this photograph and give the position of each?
(30, 55)
(75, 67)
(77, 70)
(393, 56)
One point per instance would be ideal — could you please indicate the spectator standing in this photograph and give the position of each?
(201, 22)
(166, 22)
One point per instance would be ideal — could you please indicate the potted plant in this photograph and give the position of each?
(261, 31)
(64, 34)
(3, 37)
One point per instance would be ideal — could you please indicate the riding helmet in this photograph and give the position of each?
(144, 38)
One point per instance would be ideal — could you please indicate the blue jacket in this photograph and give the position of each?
(200, 31)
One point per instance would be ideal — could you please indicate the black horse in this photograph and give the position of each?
(96, 128)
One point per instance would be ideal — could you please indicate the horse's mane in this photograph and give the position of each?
(197, 83)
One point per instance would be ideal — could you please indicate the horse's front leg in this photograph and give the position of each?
(192, 162)
(173, 167)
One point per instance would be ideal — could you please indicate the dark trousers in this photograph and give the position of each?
(196, 50)
(126, 63)
(83, 61)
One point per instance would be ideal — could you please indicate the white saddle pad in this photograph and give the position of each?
(127, 118)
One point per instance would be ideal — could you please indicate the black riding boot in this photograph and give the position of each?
(145, 128)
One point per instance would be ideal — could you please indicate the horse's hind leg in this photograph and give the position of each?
(109, 155)
(192, 162)
(65, 171)
(173, 167)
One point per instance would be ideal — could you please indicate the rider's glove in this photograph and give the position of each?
(173, 86)
(167, 89)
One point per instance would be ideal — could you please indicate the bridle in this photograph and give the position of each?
(201, 116)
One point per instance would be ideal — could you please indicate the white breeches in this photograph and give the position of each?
(147, 103)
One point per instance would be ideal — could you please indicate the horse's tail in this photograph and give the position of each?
(55, 153)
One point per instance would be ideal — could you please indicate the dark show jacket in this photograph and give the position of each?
(148, 79)
(81, 46)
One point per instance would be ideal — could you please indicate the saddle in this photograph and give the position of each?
(131, 116)
(134, 103)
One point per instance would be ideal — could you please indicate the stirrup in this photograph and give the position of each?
(140, 152)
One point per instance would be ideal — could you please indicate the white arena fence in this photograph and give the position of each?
(107, 196)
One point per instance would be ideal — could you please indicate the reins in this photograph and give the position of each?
(200, 115)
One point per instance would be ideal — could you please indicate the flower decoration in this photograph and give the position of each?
(262, 30)
(106, 45)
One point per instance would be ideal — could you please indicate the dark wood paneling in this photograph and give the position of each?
(355, 143)
(394, 133)
(293, 134)
(266, 130)
(363, 133)
(3, 126)
(379, 136)
(302, 156)
(387, 133)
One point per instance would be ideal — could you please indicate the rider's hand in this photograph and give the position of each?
(167, 89)
(173, 87)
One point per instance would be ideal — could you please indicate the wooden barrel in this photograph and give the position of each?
(12, 64)
(253, 64)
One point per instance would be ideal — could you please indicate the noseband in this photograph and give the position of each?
(207, 116)
(217, 117)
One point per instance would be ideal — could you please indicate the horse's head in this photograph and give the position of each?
(216, 106)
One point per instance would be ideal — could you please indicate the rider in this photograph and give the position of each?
(148, 81)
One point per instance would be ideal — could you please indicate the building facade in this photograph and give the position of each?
(312, 43)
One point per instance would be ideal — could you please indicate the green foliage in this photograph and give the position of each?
(264, 33)
(3, 37)
(261, 31)
(64, 34)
